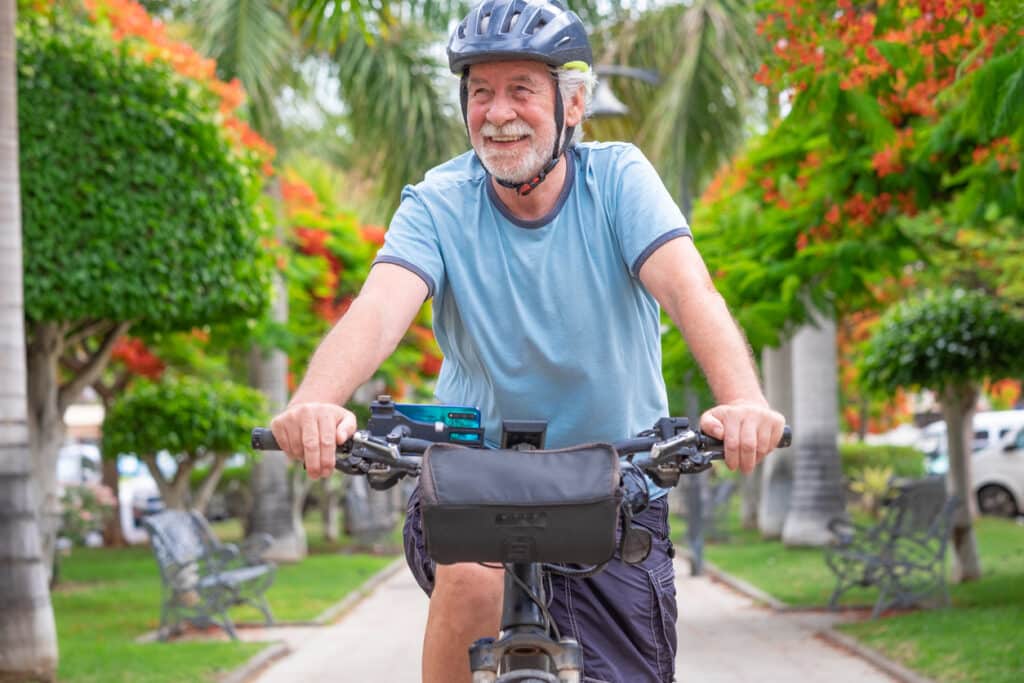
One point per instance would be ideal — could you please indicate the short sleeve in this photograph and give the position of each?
(411, 242)
(645, 215)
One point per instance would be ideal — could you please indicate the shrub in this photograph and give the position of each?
(904, 461)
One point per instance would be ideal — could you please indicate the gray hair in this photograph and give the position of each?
(569, 82)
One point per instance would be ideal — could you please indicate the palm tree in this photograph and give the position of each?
(28, 637)
(706, 53)
(253, 41)
(817, 480)
(777, 471)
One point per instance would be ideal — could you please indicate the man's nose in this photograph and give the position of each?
(500, 112)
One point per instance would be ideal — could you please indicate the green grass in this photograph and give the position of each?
(109, 597)
(980, 638)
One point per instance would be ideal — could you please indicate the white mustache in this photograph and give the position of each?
(509, 129)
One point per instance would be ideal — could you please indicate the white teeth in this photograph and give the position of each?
(506, 138)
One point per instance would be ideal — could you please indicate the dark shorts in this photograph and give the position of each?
(623, 617)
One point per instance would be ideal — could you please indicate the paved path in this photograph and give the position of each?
(723, 638)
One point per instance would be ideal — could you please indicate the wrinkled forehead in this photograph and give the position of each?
(522, 71)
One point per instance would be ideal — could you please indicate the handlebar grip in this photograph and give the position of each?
(263, 440)
(786, 440)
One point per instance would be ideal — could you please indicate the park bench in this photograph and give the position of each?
(201, 577)
(903, 555)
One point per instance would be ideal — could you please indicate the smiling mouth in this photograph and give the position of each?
(506, 139)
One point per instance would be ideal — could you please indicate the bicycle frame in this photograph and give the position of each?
(525, 650)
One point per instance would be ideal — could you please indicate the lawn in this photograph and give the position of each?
(109, 597)
(978, 639)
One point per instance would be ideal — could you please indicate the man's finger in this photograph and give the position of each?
(346, 428)
(327, 427)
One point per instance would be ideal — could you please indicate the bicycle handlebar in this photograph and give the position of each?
(385, 460)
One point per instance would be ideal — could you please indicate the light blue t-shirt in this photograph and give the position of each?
(545, 319)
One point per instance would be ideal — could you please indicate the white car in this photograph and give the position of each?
(998, 472)
(990, 428)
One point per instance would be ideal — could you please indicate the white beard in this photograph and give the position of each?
(513, 166)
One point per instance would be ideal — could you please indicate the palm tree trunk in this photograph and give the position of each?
(958, 411)
(817, 483)
(777, 470)
(28, 635)
(274, 493)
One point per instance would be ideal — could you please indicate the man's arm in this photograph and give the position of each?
(676, 276)
(315, 422)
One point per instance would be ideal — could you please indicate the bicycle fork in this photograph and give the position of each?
(525, 651)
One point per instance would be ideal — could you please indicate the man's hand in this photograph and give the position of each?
(311, 432)
(750, 431)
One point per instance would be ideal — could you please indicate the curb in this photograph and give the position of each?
(880, 661)
(829, 635)
(257, 662)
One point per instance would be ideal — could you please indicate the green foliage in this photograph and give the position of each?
(135, 205)
(902, 461)
(953, 338)
(183, 415)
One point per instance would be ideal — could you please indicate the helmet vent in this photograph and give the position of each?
(512, 21)
(485, 21)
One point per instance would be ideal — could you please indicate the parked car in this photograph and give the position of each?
(990, 427)
(998, 472)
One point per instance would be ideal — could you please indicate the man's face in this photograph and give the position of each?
(511, 116)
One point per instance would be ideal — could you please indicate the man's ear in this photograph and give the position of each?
(575, 108)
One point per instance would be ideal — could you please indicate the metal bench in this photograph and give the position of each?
(903, 555)
(201, 577)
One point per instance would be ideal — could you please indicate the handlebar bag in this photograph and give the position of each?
(486, 505)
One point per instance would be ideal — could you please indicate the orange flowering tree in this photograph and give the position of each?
(900, 151)
(327, 258)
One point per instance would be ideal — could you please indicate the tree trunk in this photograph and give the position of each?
(113, 533)
(817, 482)
(777, 470)
(201, 499)
(273, 494)
(958, 411)
(175, 492)
(46, 428)
(28, 635)
(330, 507)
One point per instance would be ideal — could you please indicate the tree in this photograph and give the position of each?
(200, 423)
(141, 214)
(28, 636)
(705, 53)
(817, 213)
(948, 342)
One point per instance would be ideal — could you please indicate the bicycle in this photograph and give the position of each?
(529, 648)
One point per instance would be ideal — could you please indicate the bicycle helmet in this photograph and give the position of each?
(536, 30)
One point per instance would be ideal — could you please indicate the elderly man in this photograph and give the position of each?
(547, 261)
